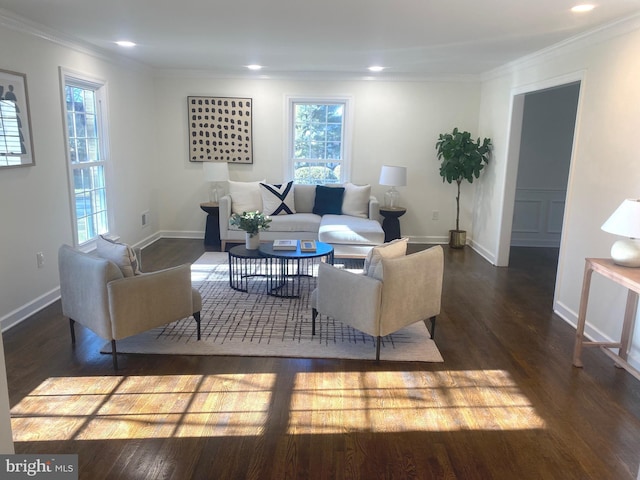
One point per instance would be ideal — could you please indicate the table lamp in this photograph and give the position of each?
(392, 176)
(215, 172)
(625, 221)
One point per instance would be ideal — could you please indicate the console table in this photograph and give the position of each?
(628, 278)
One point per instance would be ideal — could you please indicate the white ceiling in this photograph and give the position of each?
(419, 38)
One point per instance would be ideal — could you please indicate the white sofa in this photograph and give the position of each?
(352, 234)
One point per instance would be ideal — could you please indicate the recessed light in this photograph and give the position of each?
(254, 67)
(376, 68)
(125, 43)
(583, 8)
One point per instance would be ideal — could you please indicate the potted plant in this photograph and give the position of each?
(252, 223)
(462, 159)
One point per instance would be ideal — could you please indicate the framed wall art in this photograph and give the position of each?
(16, 144)
(220, 129)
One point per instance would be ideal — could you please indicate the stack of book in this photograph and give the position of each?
(285, 244)
(307, 245)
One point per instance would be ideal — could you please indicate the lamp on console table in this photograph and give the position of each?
(393, 176)
(215, 172)
(625, 221)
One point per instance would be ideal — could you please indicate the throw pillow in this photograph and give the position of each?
(356, 200)
(373, 262)
(119, 253)
(277, 199)
(328, 200)
(245, 196)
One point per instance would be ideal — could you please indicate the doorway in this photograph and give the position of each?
(540, 150)
(546, 142)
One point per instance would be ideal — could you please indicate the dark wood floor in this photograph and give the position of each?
(505, 404)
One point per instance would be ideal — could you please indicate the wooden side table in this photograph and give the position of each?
(391, 222)
(212, 230)
(628, 278)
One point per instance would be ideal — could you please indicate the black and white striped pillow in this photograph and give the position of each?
(277, 199)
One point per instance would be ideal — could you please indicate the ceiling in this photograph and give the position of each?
(411, 38)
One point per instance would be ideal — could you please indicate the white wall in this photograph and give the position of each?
(395, 123)
(605, 167)
(35, 207)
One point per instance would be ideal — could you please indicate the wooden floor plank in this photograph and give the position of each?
(505, 404)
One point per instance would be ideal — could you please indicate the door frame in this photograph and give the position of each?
(513, 157)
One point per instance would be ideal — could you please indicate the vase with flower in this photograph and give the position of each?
(252, 223)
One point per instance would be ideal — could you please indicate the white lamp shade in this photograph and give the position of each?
(215, 171)
(393, 176)
(625, 221)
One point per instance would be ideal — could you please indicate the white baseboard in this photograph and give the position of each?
(181, 234)
(591, 333)
(20, 314)
(429, 240)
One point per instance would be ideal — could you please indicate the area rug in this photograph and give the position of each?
(254, 323)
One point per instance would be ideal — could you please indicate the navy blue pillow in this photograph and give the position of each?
(328, 200)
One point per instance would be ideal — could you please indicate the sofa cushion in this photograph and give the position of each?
(345, 229)
(304, 196)
(394, 249)
(300, 222)
(245, 196)
(277, 199)
(356, 200)
(119, 253)
(328, 200)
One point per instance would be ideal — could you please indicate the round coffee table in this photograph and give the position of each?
(286, 267)
(244, 264)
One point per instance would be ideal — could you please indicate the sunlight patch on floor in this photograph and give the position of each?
(91, 408)
(166, 406)
(398, 402)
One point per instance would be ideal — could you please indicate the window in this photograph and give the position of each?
(319, 137)
(10, 145)
(86, 157)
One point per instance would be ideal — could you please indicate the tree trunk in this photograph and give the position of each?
(458, 206)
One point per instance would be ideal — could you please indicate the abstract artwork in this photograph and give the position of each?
(16, 147)
(220, 129)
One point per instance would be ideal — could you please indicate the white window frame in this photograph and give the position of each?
(68, 77)
(347, 135)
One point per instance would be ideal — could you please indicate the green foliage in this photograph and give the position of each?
(250, 222)
(462, 159)
(315, 175)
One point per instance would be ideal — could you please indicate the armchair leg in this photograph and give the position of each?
(114, 354)
(196, 315)
(378, 348)
(73, 331)
(314, 314)
(433, 326)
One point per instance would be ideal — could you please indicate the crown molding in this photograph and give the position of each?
(20, 24)
(572, 44)
(23, 25)
(315, 76)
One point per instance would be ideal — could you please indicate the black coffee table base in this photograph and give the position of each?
(283, 271)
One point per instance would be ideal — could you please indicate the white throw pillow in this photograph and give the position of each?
(245, 196)
(277, 199)
(356, 200)
(119, 253)
(373, 262)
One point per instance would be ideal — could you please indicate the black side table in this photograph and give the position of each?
(391, 222)
(212, 231)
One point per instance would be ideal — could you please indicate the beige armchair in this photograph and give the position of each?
(96, 294)
(408, 291)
